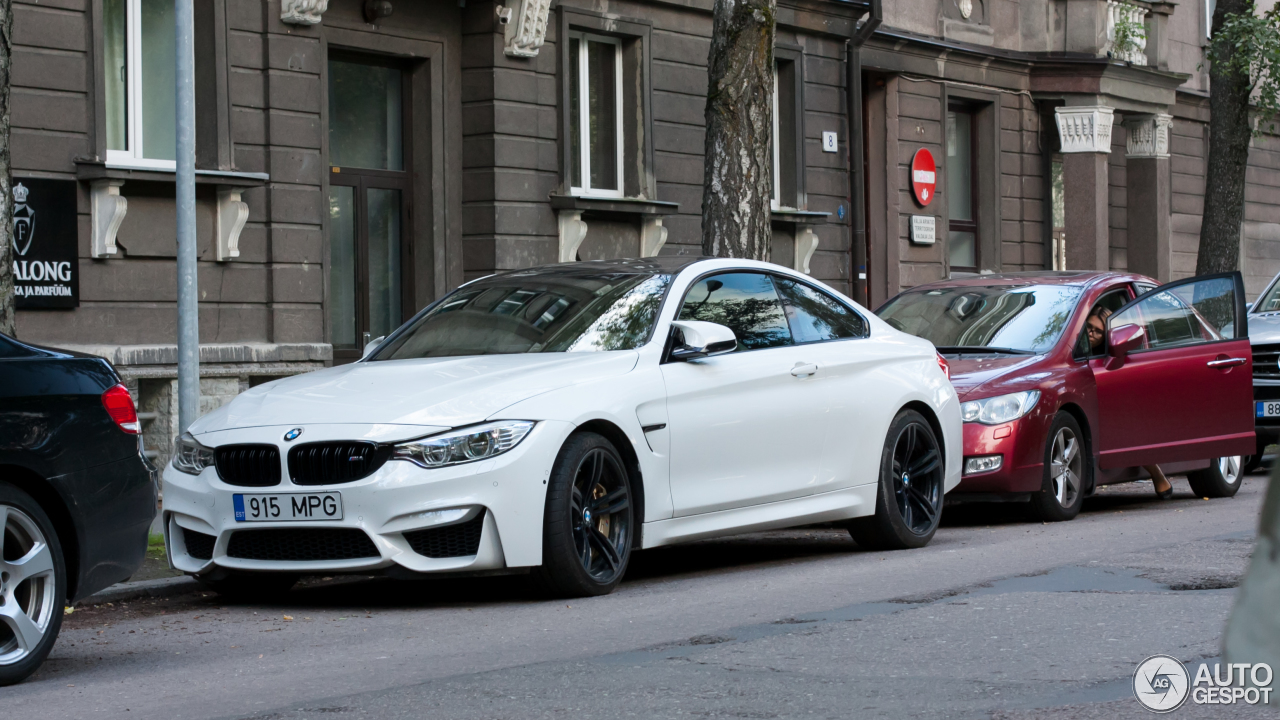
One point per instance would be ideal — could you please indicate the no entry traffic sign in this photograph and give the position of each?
(924, 176)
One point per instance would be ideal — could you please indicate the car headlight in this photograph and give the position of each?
(999, 409)
(463, 446)
(191, 457)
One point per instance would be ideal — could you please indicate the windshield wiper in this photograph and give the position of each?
(982, 349)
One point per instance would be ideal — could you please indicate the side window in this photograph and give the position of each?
(1188, 314)
(746, 303)
(815, 316)
(1143, 288)
(1093, 336)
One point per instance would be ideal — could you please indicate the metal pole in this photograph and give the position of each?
(188, 293)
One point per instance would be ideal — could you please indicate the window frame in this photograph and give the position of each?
(975, 192)
(134, 131)
(788, 136)
(584, 118)
(361, 180)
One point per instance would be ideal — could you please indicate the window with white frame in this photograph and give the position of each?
(139, 55)
(786, 135)
(595, 115)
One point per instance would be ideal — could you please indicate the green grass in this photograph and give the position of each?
(155, 546)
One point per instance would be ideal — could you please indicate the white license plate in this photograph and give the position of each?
(288, 507)
(1268, 408)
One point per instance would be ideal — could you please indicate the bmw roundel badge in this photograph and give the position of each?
(292, 434)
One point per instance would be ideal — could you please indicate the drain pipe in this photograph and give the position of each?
(857, 177)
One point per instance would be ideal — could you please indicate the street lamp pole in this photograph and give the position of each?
(188, 291)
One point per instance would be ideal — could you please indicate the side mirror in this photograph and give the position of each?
(372, 345)
(1125, 339)
(702, 339)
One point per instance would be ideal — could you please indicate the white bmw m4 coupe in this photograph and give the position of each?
(554, 420)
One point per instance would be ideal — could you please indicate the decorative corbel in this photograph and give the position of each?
(1085, 129)
(107, 211)
(806, 244)
(525, 25)
(652, 236)
(302, 12)
(232, 214)
(572, 232)
(1148, 135)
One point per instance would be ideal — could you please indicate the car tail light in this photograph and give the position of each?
(942, 363)
(120, 407)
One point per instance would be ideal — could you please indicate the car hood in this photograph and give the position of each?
(971, 372)
(429, 392)
(1264, 328)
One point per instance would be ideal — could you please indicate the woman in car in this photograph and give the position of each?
(1096, 328)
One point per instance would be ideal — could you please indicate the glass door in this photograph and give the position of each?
(369, 285)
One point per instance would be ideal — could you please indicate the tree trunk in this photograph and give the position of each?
(738, 166)
(7, 320)
(1227, 158)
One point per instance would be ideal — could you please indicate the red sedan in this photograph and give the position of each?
(1052, 410)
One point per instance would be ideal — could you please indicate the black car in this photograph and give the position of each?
(77, 495)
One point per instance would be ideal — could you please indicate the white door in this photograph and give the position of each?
(746, 428)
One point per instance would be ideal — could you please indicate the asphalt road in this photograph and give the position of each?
(997, 618)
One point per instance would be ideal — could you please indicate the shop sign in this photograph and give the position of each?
(46, 271)
(924, 176)
(923, 229)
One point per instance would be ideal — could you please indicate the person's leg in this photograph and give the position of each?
(1161, 482)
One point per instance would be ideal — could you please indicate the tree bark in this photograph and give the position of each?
(738, 165)
(1227, 159)
(7, 319)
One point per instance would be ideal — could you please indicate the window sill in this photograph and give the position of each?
(613, 205)
(798, 217)
(98, 170)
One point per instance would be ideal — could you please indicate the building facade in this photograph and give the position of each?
(359, 158)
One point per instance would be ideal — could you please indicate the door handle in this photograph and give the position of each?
(804, 369)
(1226, 362)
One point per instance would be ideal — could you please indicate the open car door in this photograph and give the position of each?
(1177, 382)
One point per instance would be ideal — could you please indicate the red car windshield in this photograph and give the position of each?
(1026, 319)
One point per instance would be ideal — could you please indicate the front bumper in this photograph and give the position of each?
(400, 498)
(1020, 445)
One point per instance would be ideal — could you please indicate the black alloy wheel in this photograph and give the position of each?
(588, 532)
(909, 501)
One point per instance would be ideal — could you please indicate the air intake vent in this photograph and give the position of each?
(334, 463)
(1266, 361)
(306, 544)
(248, 465)
(199, 545)
(458, 540)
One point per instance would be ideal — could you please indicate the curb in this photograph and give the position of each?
(162, 587)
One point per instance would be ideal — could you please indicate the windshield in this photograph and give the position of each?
(1027, 318)
(1269, 302)
(538, 311)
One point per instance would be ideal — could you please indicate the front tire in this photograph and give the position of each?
(33, 585)
(1221, 479)
(1066, 468)
(587, 531)
(909, 499)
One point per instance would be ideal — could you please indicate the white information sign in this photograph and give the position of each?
(923, 229)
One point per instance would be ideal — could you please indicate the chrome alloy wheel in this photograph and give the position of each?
(28, 586)
(1066, 467)
(601, 515)
(917, 479)
(1230, 468)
